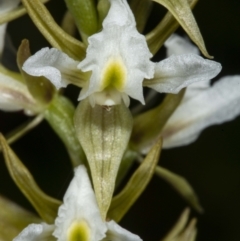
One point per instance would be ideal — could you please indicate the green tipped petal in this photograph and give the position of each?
(46, 206)
(52, 32)
(147, 126)
(40, 88)
(104, 135)
(181, 10)
(13, 219)
(136, 185)
(181, 185)
(59, 115)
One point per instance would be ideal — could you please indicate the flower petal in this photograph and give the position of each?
(118, 45)
(117, 233)
(79, 209)
(36, 232)
(177, 72)
(177, 45)
(215, 105)
(14, 94)
(55, 65)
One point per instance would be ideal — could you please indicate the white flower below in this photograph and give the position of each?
(78, 218)
(118, 64)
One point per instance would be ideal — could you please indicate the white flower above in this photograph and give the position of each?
(78, 218)
(118, 64)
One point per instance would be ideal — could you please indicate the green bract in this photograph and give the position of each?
(104, 134)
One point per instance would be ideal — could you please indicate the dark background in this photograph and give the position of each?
(211, 164)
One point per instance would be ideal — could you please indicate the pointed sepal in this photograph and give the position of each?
(136, 185)
(51, 31)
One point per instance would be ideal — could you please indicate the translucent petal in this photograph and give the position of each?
(179, 71)
(36, 232)
(79, 206)
(118, 42)
(217, 104)
(177, 45)
(55, 65)
(14, 95)
(117, 233)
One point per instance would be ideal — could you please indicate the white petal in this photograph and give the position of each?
(14, 95)
(177, 45)
(79, 206)
(118, 42)
(117, 233)
(36, 232)
(179, 71)
(215, 105)
(55, 65)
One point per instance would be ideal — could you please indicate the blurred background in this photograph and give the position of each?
(211, 164)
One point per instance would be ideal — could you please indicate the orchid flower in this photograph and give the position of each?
(78, 218)
(5, 6)
(203, 104)
(118, 65)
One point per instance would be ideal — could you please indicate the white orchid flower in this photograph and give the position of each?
(203, 104)
(119, 61)
(78, 218)
(5, 6)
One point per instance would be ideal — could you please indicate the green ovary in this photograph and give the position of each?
(78, 231)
